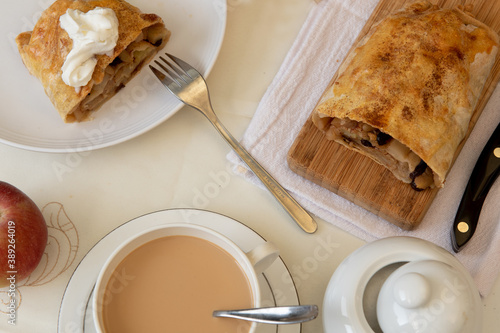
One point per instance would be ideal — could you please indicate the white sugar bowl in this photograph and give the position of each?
(402, 285)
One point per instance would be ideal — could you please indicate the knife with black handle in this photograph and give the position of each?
(483, 176)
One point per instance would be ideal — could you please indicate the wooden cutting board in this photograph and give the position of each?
(356, 177)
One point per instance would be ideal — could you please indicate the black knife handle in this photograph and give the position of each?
(483, 176)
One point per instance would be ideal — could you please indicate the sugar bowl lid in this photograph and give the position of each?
(427, 296)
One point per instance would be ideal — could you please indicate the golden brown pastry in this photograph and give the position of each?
(404, 96)
(44, 51)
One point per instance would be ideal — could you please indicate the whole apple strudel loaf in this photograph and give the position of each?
(404, 96)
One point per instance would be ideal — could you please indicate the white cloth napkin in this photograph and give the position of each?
(321, 45)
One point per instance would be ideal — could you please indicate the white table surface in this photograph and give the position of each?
(174, 165)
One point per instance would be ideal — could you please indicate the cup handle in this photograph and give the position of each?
(263, 256)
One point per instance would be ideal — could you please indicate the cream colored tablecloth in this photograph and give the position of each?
(181, 163)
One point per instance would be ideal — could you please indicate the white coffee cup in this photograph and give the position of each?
(251, 263)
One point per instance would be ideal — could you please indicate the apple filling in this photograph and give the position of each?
(381, 147)
(122, 70)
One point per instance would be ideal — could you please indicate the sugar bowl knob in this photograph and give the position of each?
(412, 290)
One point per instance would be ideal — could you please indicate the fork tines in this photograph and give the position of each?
(175, 69)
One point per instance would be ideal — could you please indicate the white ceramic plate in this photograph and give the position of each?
(277, 286)
(28, 120)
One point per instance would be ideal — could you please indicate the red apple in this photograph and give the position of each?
(23, 235)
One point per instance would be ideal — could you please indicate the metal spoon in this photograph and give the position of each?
(273, 315)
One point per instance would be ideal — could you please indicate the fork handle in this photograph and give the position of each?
(296, 211)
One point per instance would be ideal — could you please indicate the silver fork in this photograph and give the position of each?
(182, 80)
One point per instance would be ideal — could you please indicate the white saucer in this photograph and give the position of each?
(276, 282)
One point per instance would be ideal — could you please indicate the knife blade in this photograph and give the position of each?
(483, 176)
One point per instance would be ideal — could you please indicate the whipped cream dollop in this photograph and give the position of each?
(93, 33)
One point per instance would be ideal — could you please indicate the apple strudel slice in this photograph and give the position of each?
(404, 96)
(84, 51)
